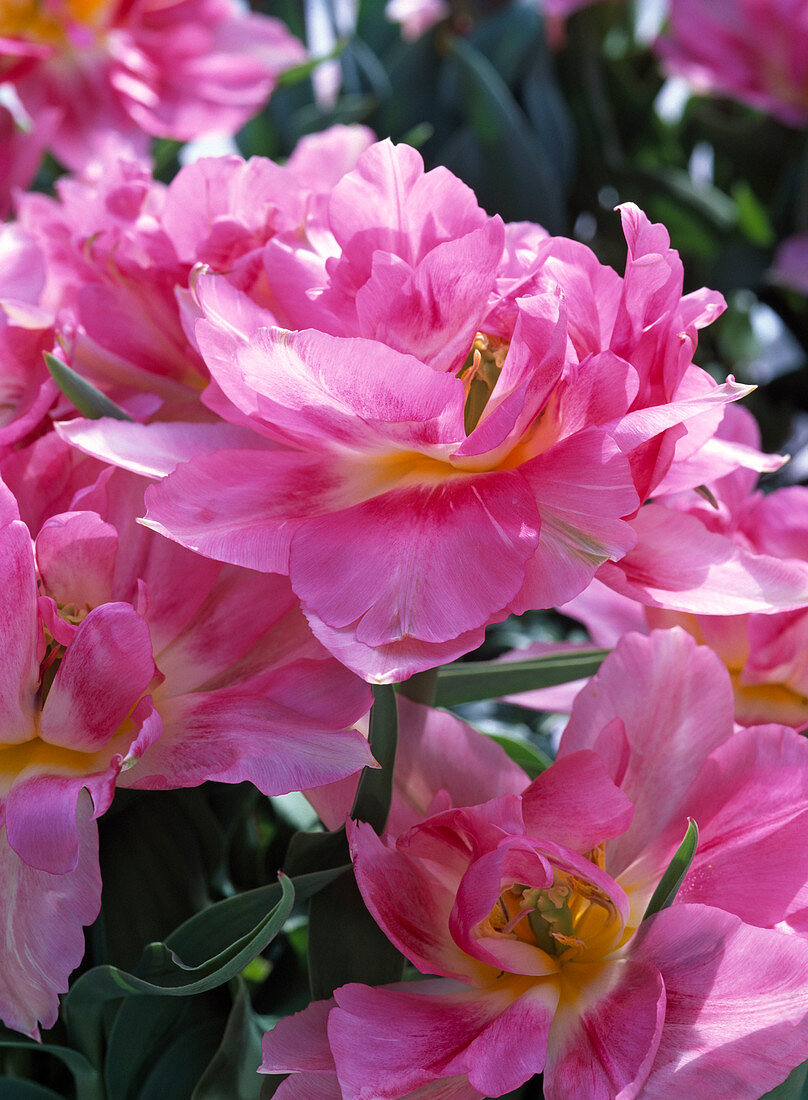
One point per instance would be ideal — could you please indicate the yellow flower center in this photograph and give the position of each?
(51, 21)
(479, 375)
(573, 920)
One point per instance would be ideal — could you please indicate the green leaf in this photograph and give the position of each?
(753, 217)
(345, 943)
(161, 971)
(212, 930)
(13, 1088)
(516, 178)
(375, 790)
(678, 867)
(89, 401)
(144, 1028)
(306, 68)
(476, 680)
(86, 1077)
(177, 1069)
(317, 852)
(232, 1070)
(795, 1086)
(524, 754)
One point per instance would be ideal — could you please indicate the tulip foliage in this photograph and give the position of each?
(404, 679)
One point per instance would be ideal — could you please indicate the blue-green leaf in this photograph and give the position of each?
(674, 876)
(89, 400)
(161, 971)
(87, 1079)
(476, 680)
(231, 1072)
(14, 1088)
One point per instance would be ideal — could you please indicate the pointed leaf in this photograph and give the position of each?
(162, 971)
(475, 680)
(232, 1070)
(13, 1088)
(674, 876)
(89, 400)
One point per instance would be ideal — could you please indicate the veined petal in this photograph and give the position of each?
(411, 1037)
(668, 746)
(20, 653)
(418, 573)
(75, 552)
(576, 804)
(410, 905)
(714, 966)
(678, 564)
(235, 738)
(583, 487)
(105, 670)
(43, 916)
(605, 1037)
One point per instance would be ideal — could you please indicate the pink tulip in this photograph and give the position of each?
(752, 50)
(118, 71)
(765, 654)
(526, 911)
(463, 427)
(118, 250)
(134, 663)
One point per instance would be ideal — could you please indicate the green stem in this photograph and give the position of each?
(421, 687)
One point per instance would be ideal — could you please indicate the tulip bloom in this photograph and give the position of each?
(463, 425)
(129, 662)
(117, 71)
(528, 910)
(752, 50)
(764, 653)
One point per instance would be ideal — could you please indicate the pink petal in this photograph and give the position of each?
(231, 738)
(396, 661)
(750, 804)
(437, 753)
(412, 578)
(105, 670)
(678, 564)
(410, 1038)
(603, 1042)
(668, 744)
(576, 804)
(434, 310)
(153, 450)
(20, 653)
(583, 487)
(43, 916)
(714, 968)
(411, 904)
(217, 505)
(300, 1042)
(75, 553)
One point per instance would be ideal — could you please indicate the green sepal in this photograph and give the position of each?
(87, 398)
(674, 876)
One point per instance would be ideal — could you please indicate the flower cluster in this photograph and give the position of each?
(270, 434)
